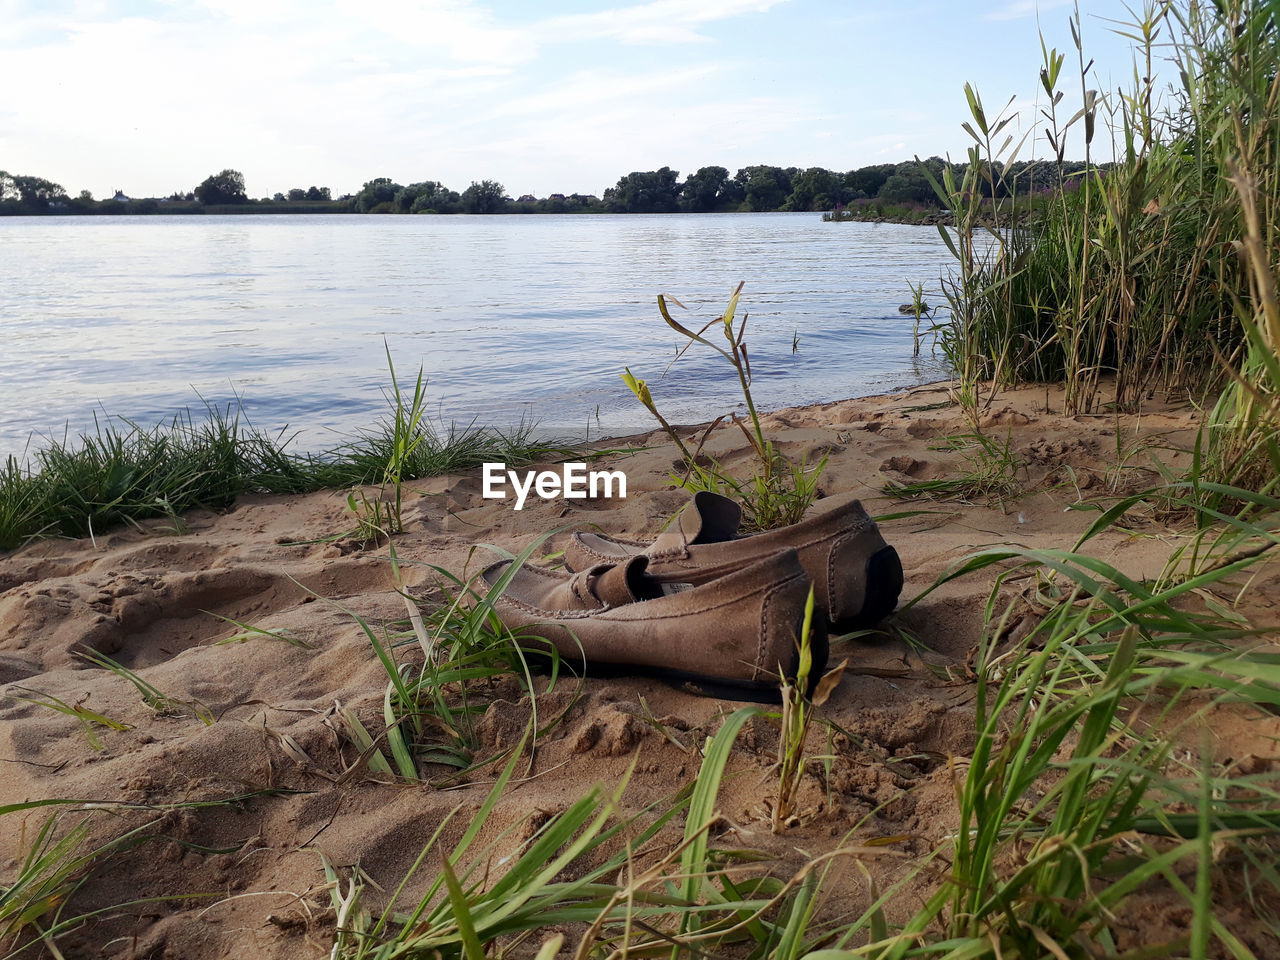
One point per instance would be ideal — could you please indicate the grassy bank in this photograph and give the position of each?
(124, 472)
(1004, 211)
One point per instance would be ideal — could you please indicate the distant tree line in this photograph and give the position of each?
(759, 188)
(711, 189)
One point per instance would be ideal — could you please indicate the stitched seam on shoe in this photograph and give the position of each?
(545, 574)
(639, 544)
(832, 596)
(669, 554)
(861, 522)
(549, 611)
(764, 630)
(738, 598)
(860, 526)
(597, 556)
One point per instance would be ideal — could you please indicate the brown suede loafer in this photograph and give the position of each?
(856, 576)
(733, 636)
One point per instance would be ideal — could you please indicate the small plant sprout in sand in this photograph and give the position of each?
(917, 308)
(379, 516)
(641, 389)
(87, 718)
(780, 491)
(797, 712)
(161, 703)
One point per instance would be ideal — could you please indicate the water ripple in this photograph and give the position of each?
(511, 318)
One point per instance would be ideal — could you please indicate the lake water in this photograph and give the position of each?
(510, 317)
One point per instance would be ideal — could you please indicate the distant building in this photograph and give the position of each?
(121, 197)
(527, 198)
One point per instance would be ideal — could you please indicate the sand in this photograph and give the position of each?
(246, 879)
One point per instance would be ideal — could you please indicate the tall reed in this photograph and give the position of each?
(1149, 272)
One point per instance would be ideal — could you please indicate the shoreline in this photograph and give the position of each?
(929, 216)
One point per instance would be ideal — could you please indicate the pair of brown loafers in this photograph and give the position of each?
(703, 606)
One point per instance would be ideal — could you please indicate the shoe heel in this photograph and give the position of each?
(883, 584)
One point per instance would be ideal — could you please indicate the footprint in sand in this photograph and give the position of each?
(141, 618)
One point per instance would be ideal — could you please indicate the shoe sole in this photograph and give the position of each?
(883, 584)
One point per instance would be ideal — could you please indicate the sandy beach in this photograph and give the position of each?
(262, 720)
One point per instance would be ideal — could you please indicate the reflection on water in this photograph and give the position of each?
(510, 317)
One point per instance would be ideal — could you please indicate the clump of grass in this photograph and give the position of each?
(582, 867)
(1072, 801)
(44, 879)
(22, 504)
(125, 473)
(990, 472)
(780, 490)
(33, 901)
(380, 515)
(1244, 425)
(432, 702)
(38, 888)
(1073, 772)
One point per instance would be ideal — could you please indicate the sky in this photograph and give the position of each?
(545, 96)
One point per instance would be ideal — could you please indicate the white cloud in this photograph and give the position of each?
(460, 29)
(257, 12)
(597, 90)
(292, 93)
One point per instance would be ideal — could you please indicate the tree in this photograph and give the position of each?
(816, 189)
(487, 196)
(867, 181)
(708, 189)
(224, 187)
(319, 193)
(29, 191)
(910, 185)
(296, 194)
(377, 196)
(441, 200)
(765, 187)
(407, 197)
(650, 191)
